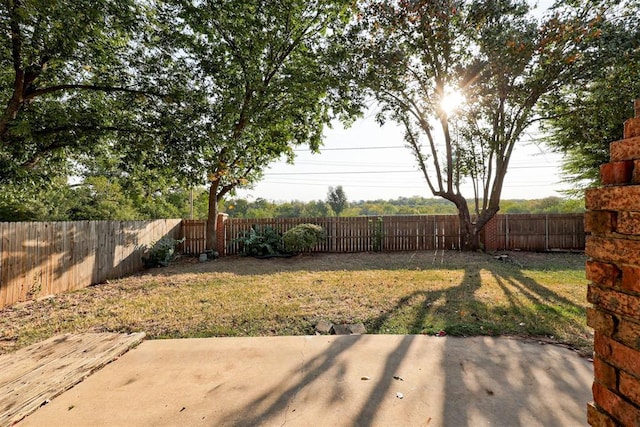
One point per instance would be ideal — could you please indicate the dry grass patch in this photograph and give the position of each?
(540, 296)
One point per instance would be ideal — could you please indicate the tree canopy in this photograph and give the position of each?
(170, 93)
(65, 80)
(497, 55)
(588, 114)
(337, 199)
(257, 78)
(126, 104)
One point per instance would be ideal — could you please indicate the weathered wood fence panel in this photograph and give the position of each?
(194, 233)
(43, 258)
(530, 232)
(418, 232)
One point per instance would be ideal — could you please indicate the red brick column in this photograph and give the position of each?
(613, 269)
(491, 235)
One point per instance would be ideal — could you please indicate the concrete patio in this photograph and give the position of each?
(357, 380)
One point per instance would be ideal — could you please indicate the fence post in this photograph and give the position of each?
(546, 232)
(334, 227)
(220, 234)
(506, 232)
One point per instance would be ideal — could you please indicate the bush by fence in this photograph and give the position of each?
(43, 258)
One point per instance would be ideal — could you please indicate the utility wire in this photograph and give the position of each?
(387, 147)
(352, 185)
(381, 172)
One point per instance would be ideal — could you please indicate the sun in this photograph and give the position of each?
(452, 100)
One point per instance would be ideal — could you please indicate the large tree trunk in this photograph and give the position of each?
(469, 230)
(212, 217)
(469, 233)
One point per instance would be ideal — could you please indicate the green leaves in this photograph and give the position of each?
(251, 81)
(337, 199)
(587, 115)
(64, 77)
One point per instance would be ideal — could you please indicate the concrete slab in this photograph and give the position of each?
(318, 380)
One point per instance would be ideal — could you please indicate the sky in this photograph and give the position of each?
(372, 162)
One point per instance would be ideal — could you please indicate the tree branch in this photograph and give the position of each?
(39, 92)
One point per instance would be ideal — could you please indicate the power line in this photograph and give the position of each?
(388, 147)
(382, 172)
(355, 148)
(337, 173)
(404, 186)
(514, 165)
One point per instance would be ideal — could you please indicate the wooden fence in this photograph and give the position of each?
(410, 233)
(362, 234)
(195, 239)
(530, 232)
(43, 258)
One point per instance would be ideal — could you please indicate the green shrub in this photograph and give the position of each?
(303, 237)
(160, 253)
(377, 234)
(258, 241)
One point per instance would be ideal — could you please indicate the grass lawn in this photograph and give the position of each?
(541, 296)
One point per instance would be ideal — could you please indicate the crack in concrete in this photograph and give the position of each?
(293, 398)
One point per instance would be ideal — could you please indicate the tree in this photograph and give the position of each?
(65, 80)
(588, 115)
(337, 199)
(258, 79)
(317, 208)
(417, 53)
(101, 191)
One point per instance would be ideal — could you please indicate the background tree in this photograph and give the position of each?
(337, 199)
(101, 190)
(259, 78)
(588, 114)
(418, 53)
(65, 80)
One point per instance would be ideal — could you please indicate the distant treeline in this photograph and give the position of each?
(99, 198)
(261, 208)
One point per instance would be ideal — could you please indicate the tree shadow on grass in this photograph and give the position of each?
(465, 309)
(473, 396)
(480, 380)
(543, 312)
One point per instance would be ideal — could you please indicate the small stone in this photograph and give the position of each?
(341, 329)
(399, 395)
(357, 329)
(324, 327)
(398, 378)
(365, 378)
(203, 258)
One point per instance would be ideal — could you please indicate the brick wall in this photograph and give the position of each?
(613, 269)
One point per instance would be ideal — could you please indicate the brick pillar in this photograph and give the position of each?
(221, 241)
(490, 235)
(613, 269)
